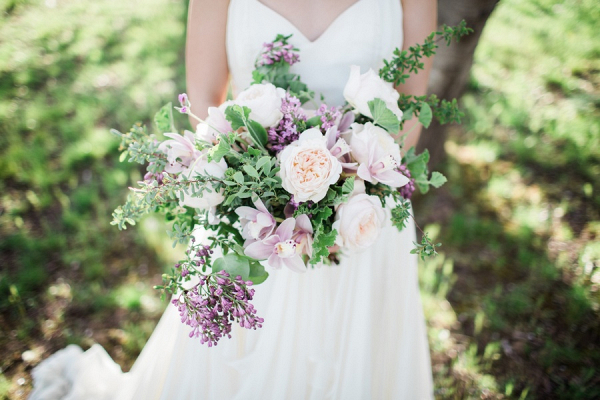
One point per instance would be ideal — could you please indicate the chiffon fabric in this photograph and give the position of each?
(352, 331)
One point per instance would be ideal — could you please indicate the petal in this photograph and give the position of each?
(286, 229)
(275, 261)
(259, 250)
(303, 223)
(247, 212)
(295, 263)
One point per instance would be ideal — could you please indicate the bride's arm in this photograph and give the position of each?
(205, 56)
(419, 20)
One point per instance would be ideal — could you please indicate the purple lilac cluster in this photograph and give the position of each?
(214, 304)
(328, 116)
(277, 51)
(407, 190)
(202, 254)
(286, 131)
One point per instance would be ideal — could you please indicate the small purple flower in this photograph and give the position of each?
(276, 52)
(407, 190)
(211, 307)
(329, 116)
(279, 249)
(286, 131)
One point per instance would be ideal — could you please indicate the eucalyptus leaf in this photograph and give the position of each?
(234, 265)
(257, 272)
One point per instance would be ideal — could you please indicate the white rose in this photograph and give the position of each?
(308, 168)
(360, 89)
(359, 222)
(206, 200)
(264, 101)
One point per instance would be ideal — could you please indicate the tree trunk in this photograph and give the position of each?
(452, 65)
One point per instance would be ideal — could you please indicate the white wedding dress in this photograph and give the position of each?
(353, 331)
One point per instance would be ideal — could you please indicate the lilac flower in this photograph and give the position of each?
(279, 249)
(257, 223)
(286, 131)
(329, 116)
(275, 52)
(211, 306)
(407, 190)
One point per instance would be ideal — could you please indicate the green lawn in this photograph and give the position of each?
(513, 300)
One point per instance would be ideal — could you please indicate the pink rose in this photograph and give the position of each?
(359, 222)
(378, 155)
(360, 89)
(308, 168)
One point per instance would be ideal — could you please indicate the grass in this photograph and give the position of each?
(512, 302)
(520, 217)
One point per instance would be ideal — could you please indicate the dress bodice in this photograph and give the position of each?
(364, 34)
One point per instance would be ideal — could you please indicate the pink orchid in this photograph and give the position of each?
(215, 125)
(279, 249)
(340, 149)
(180, 150)
(378, 155)
(303, 235)
(257, 223)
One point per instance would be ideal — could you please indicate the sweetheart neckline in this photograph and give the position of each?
(324, 33)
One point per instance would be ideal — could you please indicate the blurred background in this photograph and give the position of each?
(512, 301)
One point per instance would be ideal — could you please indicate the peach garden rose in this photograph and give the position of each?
(308, 168)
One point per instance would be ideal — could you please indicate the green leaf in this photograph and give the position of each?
(437, 179)
(348, 186)
(257, 272)
(164, 119)
(234, 264)
(314, 121)
(425, 115)
(263, 161)
(250, 170)
(220, 150)
(236, 115)
(239, 177)
(257, 133)
(383, 117)
(422, 184)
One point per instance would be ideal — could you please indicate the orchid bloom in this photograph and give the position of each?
(303, 235)
(180, 150)
(279, 249)
(378, 155)
(339, 148)
(257, 223)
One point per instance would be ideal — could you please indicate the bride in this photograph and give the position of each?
(353, 331)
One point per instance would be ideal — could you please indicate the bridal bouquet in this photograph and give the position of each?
(280, 180)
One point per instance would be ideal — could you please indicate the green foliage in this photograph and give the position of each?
(382, 116)
(279, 75)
